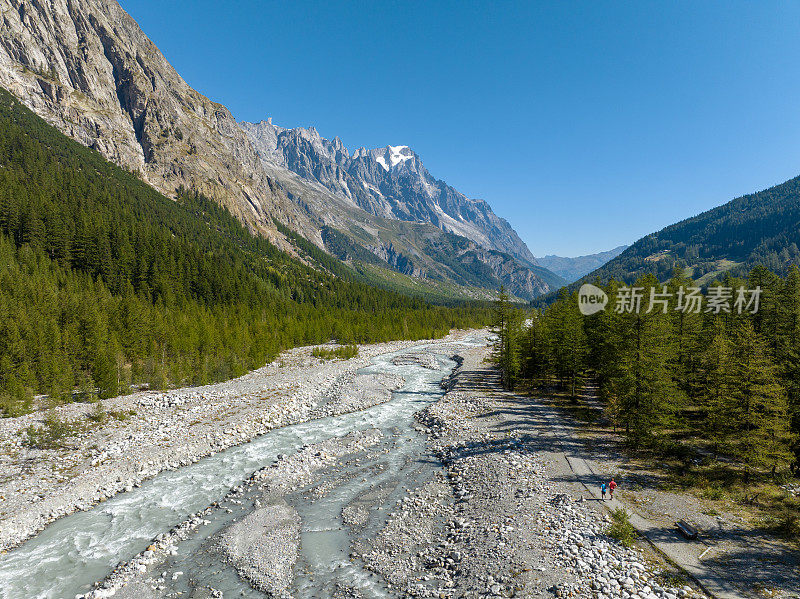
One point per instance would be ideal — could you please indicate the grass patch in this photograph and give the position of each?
(621, 529)
(98, 413)
(712, 492)
(672, 579)
(343, 352)
(784, 524)
(121, 415)
(51, 435)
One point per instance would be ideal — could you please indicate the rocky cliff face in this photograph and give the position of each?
(390, 182)
(87, 68)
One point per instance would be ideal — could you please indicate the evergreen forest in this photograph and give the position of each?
(106, 284)
(710, 383)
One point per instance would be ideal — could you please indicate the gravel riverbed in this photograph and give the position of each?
(504, 517)
(482, 502)
(262, 545)
(168, 430)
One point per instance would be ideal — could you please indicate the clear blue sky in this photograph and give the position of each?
(586, 125)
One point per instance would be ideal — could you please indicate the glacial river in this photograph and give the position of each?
(74, 552)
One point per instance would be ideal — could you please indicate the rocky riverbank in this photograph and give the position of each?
(504, 518)
(153, 431)
(481, 502)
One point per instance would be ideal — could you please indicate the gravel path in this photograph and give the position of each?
(506, 517)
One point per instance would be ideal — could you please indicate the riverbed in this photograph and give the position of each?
(74, 552)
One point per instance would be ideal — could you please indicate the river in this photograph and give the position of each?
(71, 554)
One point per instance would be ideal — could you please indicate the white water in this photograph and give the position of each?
(75, 551)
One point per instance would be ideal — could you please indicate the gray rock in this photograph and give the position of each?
(387, 182)
(87, 68)
(263, 547)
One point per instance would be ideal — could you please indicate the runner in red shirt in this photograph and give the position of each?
(611, 486)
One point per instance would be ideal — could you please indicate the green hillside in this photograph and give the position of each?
(104, 282)
(757, 229)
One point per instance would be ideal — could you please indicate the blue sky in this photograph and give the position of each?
(586, 125)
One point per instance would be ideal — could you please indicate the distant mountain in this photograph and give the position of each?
(572, 269)
(418, 250)
(759, 228)
(389, 182)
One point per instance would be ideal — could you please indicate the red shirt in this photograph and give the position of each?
(612, 485)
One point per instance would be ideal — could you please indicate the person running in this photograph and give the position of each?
(611, 486)
(603, 491)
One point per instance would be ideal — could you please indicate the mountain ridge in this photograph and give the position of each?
(761, 228)
(88, 69)
(389, 181)
(573, 268)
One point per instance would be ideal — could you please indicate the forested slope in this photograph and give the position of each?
(104, 282)
(757, 229)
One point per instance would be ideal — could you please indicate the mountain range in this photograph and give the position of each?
(389, 182)
(572, 269)
(86, 67)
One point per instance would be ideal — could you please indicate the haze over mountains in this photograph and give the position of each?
(572, 269)
(88, 69)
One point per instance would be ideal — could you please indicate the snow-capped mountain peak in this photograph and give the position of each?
(389, 182)
(393, 156)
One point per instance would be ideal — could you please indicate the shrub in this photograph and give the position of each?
(50, 435)
(788, 526)
(15, 401)
(98, 413)
(621, 529)
(712, 492)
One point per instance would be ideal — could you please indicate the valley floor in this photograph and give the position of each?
(148, 432)
(490, 496)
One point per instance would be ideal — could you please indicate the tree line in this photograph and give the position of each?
(730, 378)
(105, 283)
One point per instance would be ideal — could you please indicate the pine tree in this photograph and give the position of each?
(758, 405)
(534, 350)
(710, 386)
(568, 341)
(506, 325)
(645, 388)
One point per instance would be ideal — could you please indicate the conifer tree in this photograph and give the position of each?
(507, 326)
(568, 341)
(644, 385)
(760, 432)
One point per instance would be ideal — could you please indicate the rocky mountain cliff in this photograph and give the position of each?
(87, 68)
(390, 182)
(419, 250)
